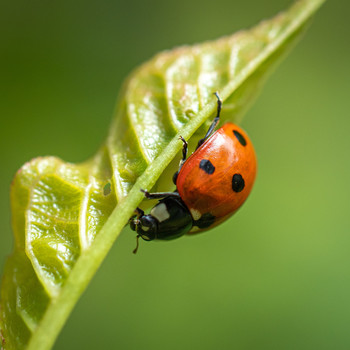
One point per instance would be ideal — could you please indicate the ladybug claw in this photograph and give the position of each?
(183, 140)
(216, 93)
(146, 193)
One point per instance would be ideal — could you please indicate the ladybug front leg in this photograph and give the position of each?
(184, 152)
(213, 124)
(183, 160)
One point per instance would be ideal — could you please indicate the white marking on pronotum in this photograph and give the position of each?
(160, 212)
(195, 214)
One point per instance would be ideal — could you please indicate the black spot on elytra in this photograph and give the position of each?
(240, 138)
(207, 166)
(237, 182)
(205, 221)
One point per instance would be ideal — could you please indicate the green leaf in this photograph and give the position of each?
(67, 216)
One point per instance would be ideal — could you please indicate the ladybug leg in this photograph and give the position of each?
(158, 195)
(213, 124)
(183, 160)
(184, 151)
(137, 244)
(139, 212)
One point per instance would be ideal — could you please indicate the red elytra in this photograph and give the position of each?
(218, 177)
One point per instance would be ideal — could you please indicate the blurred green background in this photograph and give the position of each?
(276, 276)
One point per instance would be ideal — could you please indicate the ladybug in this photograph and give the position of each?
(211, 185)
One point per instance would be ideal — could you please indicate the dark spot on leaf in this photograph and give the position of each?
(237, 182)
(107, 189)
(207, 166)
(240, 138)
